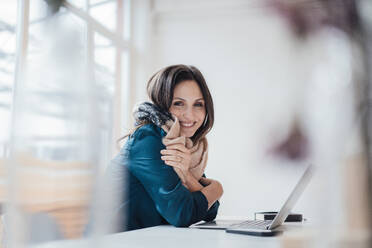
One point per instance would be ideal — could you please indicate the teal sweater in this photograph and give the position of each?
(151, 192)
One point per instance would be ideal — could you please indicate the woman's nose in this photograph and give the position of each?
(188, 114)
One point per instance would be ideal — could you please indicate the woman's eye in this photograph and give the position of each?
(199, 104)
(178, 103)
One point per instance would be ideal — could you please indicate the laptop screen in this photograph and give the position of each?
(293, 197)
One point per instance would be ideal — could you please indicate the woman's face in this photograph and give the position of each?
(188, 106)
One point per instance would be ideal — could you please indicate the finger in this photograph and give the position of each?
(172, 158)
(179, 147)
(176, 165)
(173, 164)
(172, 152)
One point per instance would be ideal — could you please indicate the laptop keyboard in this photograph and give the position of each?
(254, 224)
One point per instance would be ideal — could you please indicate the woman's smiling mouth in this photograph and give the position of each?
(187, 124)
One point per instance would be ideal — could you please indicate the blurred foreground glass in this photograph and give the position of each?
(334, 34)
(59, 135)
(8, 12)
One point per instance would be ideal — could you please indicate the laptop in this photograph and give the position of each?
(263, 227)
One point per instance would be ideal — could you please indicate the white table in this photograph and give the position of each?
(172, 237)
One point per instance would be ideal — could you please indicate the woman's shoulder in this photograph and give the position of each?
(146, 136)
(147, 130)
(146, 140)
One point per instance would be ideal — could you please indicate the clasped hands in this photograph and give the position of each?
(178, 156)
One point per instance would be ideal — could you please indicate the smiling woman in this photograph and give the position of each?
(160, 169)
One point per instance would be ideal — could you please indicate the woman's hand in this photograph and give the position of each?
(177, 156)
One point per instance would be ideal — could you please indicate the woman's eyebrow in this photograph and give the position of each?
(199, 99)
(179, 98)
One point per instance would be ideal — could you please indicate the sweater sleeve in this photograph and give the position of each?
(173, 201)
(212, 212)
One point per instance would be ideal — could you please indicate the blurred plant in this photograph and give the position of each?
(295, 146)
(307, 16)
(53, 6)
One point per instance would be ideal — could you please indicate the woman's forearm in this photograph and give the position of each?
(192, 184)
(212, 192)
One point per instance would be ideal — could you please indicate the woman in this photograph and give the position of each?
(165, 157)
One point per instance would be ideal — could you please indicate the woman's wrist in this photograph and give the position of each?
(192, 183)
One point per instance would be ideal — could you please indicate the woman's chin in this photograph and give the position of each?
(187, 134)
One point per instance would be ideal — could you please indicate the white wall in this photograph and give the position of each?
(257, 73)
